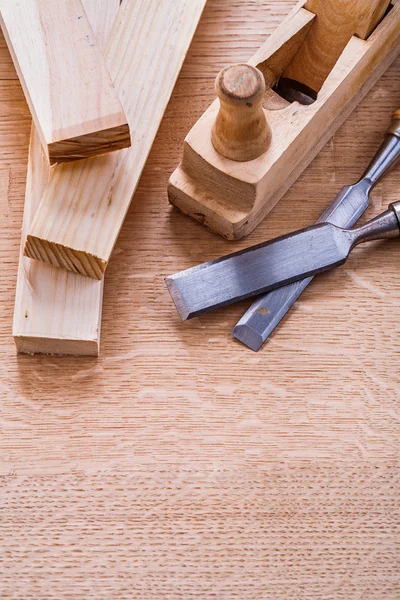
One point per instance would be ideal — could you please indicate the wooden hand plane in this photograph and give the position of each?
(274, 114)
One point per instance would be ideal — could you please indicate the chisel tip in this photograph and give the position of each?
(180, 306)
(248, 336)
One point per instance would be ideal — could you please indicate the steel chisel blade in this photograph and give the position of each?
(282, 268)
(266, 312)
(258, 269)
(274, 264)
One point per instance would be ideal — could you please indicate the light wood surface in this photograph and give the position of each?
(145, 54)
(57, 312)
(179, 464)
(231, 198)
(337, 21)
(73, 101)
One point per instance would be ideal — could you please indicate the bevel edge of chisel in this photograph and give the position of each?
(251, 337)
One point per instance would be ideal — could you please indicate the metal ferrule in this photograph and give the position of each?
(384, 226)
(394, 128)
(396, 209)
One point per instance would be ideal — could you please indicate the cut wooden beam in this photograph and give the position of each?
(57, 312)
(63, 308)
(85, 203)
(70, 93)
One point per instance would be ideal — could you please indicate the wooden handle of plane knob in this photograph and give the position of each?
(241, 131)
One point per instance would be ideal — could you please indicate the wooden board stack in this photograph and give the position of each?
(56, 311)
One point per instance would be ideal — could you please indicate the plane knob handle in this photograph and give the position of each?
(241, 131)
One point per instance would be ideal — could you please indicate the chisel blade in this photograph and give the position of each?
(258, 269)
(266, 312)
(271, 265)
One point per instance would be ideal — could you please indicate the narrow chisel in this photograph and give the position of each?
(262, 268)
(266, 312)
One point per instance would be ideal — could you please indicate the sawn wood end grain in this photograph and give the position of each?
(64, 258)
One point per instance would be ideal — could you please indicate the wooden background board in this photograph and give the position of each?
(181, 465)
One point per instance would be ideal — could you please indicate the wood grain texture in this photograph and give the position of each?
(325, 532)
(145, 53)
(72, 99)
(179, 464)
(57, 312)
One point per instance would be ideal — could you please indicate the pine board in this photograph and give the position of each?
(179, 464)
(144, 54)
(72, 98)
(57, 312)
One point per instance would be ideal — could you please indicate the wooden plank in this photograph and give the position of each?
(144, 56)
(61, 68)
(57, 312)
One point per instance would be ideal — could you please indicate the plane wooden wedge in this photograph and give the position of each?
(296, 92)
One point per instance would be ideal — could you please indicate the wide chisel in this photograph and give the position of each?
(273, 264)
(266, 312)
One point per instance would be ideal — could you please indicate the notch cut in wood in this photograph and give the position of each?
(335, 23)
(66, 83)
(148, 46)
(57, 312)
(230, 197)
